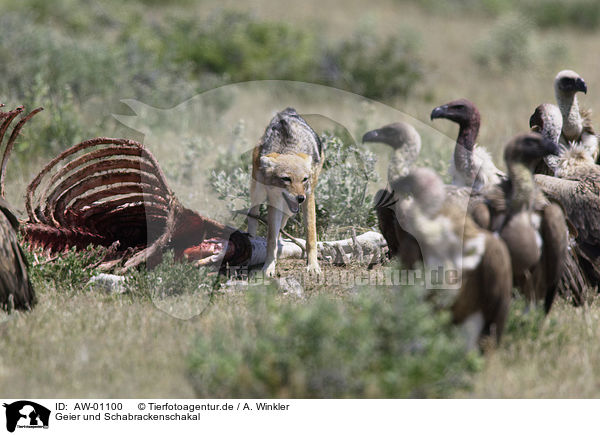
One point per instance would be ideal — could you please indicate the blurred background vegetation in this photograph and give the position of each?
(79, 59)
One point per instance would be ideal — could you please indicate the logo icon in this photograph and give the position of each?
(26, 414)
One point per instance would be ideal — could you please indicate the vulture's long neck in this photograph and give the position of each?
(463, 151)
(523, 187)
(404, 157)
(572, 122)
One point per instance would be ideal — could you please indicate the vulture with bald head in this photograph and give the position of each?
(472, 165)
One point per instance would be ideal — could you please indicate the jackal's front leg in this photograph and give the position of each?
(310, 218)
(274, 218)
(257, 197)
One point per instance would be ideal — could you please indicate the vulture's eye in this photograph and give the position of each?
(286, 179)
(305, 179)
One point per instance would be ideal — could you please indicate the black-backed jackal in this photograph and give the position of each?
(285, 168)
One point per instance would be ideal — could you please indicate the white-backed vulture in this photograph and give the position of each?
(449, 238)
(577, 126)
(406, 143)
(574, 282)
(537, 238)
(16, 291)
(472, 165)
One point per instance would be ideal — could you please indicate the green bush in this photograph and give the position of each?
(237, 47)
(374, 67)
(376, 344)
(66, 272)
(513, 43)
(172, 278)
(342, 197)
(580, 14)
(30, 52)
(507, 45)
(240, 48)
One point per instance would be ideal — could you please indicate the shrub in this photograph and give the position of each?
(375, 344)
(374, 67)
(69, 271)
(342, 194)
(30, 51)
(508, 44)
(59, 126)
(240, 48)
(237, 47)
(513, 43)
(172, 278)
(582, 14)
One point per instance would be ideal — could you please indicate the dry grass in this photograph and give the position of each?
(90, 345)
(561, 360)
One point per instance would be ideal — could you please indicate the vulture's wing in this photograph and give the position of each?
(581, 204)
(386, 219)
(400, 242)
(15, 288)
(554, 251)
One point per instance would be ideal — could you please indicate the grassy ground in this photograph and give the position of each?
(558, 359)
(85, 343)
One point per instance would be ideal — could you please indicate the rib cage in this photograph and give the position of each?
(100, 191)
(112, 192)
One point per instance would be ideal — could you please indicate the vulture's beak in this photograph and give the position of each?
(439, 112)
(580, 85)
(371, 136)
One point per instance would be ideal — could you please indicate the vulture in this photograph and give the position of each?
(406, 143)
(547, 120)
(449, 238)
(577, 126)
(576, 185)
(536, 237)
(472, 165)
(16, 291)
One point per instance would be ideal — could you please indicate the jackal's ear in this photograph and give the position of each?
(267, 162)
(304, 156)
